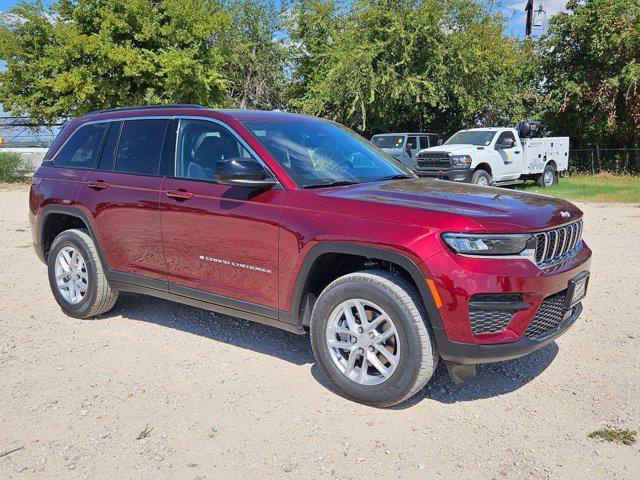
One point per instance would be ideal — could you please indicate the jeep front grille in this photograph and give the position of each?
(548, 318)
(433, 160)
(555, 246)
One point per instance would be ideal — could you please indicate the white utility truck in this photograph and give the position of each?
(497, 156)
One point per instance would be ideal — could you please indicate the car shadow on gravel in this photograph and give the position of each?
(221, 328)
(492, 379)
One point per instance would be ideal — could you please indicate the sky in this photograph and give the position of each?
(513, 11)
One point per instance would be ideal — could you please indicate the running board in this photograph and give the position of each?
(508, 182)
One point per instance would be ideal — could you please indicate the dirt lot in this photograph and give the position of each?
(224, 398)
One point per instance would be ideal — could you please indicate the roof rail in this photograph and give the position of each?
(148, 107)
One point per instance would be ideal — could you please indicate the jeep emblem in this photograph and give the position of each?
(565, 214)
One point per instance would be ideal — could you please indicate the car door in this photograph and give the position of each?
(219, 240)
(411, 149)
(122, 195)
(510, 151)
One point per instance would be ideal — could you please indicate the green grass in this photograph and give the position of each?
(615, 435)
(601, 187)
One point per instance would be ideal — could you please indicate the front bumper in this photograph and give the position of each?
(471, 354)
(458, 278)
(453, 174)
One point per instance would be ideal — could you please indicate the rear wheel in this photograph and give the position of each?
(548, 177)
(481, 177)
(369, 338)
(76, 277)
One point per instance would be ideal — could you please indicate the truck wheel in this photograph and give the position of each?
(481, 177)
(548, 177)
(76, 276)
(370, 339)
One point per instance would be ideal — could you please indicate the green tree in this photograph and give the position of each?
(257, 71)
(381, 65)
(591, 63)
(84, 55)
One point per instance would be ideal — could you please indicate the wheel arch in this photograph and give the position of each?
(301, 305)
(483, 166)
(54, 219)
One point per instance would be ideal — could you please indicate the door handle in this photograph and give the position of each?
(98, 185)
(179, 194)
(517, 151)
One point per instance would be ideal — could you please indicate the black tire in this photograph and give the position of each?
(549, 169)
(479, 177)
(99, 297)
(418, 356)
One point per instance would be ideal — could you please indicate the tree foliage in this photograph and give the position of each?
(88, 54)
(591, 66)
(260, 54)
(373, 65)
(396, 65)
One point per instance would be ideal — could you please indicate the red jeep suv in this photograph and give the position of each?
(299, 223)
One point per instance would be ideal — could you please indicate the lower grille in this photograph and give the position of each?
(489, 321)
(549, 316)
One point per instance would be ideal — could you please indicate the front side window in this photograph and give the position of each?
(480, 138)
(412, 143)
(81, 150)
(201, 145)
(506, 137)
(317, 153)
(140, 146)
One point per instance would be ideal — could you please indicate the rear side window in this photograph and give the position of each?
(81, 150)
(424, 142)
(140, 146)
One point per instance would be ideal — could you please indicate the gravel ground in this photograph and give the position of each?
(159, 390)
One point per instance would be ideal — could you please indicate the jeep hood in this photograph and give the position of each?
(494, 209)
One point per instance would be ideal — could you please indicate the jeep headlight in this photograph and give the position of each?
(497, 244)
(460, 161)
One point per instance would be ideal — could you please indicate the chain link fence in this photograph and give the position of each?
(620, 161)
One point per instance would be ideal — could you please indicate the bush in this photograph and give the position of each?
(13, 167)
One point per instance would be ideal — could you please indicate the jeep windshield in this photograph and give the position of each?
(388, 141)
(481, 138)
(319, 154)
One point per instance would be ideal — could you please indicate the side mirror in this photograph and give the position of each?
(440, 141)
(244, 172)
(506, 143)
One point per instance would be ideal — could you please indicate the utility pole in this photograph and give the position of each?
(529, 10)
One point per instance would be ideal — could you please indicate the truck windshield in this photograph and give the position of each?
(317, 154)
(388, 141)
(472, 137)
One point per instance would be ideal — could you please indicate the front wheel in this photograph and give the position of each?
(370, 339)
(481, 177)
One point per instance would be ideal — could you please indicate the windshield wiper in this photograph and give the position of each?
(398, 176)
(337, 183)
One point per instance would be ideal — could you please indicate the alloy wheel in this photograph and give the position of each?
(363, 342)
(72, 278)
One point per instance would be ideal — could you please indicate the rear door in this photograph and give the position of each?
(219, 240)
(123, 193)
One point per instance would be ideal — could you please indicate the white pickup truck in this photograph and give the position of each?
(496, 156)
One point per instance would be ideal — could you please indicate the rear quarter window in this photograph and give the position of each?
(81, 149)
